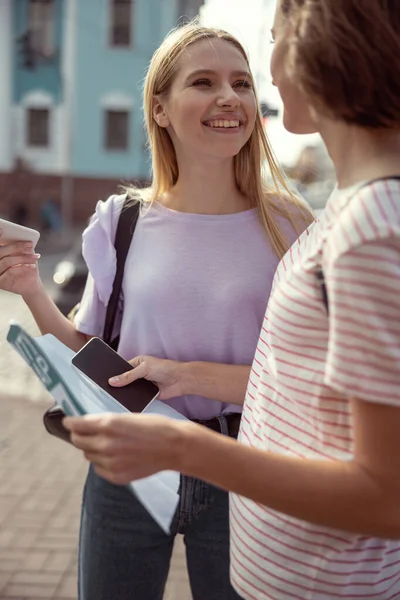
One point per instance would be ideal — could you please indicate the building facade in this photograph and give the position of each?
(70, 108)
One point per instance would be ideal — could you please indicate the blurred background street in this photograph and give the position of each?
(71, 132)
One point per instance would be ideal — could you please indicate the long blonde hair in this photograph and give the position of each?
(248, 163)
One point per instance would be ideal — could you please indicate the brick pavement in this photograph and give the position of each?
(40, 489)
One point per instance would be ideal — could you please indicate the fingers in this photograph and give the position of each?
(125, 378)
(16, 249)
(13, 261)
(87, 425)
(135, 362)
(123, 447)
(87, 443)
(111, 425)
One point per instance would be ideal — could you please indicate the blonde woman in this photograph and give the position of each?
(197, 279)
(316, 478)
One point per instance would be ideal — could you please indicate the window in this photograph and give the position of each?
(116, 129)
(38, 127)
(120, 22)
(41, 26)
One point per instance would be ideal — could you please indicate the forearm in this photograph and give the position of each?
(50, 320)
(339, 495)
(225, 383)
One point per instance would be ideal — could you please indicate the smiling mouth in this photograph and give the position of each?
(223, 124)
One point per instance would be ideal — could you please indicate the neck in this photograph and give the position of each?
(359, 154)
(206, 189)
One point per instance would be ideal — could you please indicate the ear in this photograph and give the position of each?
(159, 114)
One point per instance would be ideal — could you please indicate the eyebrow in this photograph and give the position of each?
(203, 72)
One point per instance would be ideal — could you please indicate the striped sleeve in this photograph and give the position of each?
(363, 358)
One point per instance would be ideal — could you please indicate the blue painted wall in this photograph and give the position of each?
(45, 76)
(101, 70)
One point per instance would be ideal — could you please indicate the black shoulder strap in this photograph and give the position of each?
(320, 273)
(123, 237)
(321, 281)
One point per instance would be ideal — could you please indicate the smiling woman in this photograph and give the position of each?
(197, 278)
(205, 73)
(189, 110)
(200, 268)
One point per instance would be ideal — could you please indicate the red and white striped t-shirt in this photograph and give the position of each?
(306, 368)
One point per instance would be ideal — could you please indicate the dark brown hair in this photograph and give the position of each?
(345, 55)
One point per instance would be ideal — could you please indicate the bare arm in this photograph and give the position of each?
(362, 495)
(49, 319)
(225, 383)
(19, 274)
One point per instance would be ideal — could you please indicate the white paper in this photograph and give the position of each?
(158, 493)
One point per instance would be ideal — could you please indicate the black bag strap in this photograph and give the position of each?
(321, 282)
(123, 237)
(319, 273)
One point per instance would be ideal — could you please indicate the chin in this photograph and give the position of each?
(229, 151)
(293, 124)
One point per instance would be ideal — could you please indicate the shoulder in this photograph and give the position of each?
(106, 214)
(98, 244)
(367, 215)
(293, 215)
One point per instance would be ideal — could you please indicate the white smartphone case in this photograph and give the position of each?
(12, 232)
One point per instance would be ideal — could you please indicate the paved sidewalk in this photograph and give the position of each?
(40, 490)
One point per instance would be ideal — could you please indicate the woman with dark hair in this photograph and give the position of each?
(315, 509)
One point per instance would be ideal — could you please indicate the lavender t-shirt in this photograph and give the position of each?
(195, 288)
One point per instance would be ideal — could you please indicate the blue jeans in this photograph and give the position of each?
(125, 555)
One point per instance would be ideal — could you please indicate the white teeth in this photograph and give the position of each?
(223, 124)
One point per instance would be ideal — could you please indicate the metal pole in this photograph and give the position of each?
(67, 182)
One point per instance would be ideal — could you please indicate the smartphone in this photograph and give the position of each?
(99, 362)
(12, 232)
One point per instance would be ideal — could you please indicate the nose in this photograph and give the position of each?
(228, 97)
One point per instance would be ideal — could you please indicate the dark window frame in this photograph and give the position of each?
(38, 133)
(120, 31)
(116, 135)
(41, 26)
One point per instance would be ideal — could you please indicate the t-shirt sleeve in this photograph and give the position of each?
(100, 256)
(90, 317)
(363, 286)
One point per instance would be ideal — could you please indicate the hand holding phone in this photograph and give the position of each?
(99, 362)
(18, 263)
